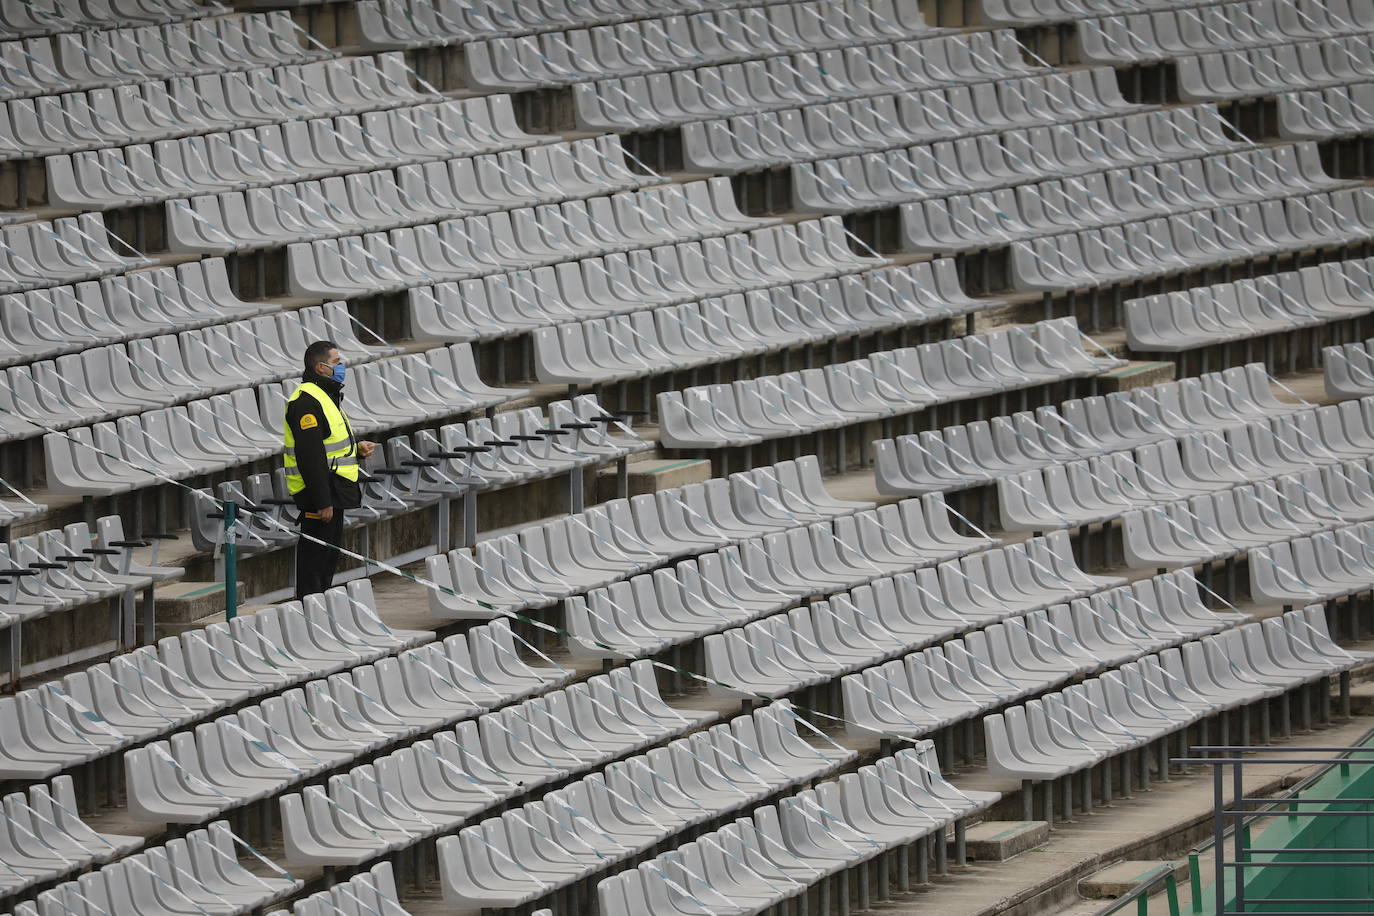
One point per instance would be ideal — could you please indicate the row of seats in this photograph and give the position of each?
(91, 59)
(142, 694)
(422, 23)
(259, 750)
(199, 871)
(783, 851)
(1050, 12)
(544, 564)
(650, 45)
(183, 105)
(1279, 303)
(1139, 38)
(1087, 723)
(512, 447)
(67, 250)
(627, 809)
(370, 893)
(499, 305)
(102, 383)
(1176, 244)
(1263, 71)
(887, 384)
(48, 17)
(788, 80)
(231, 430)
(1320, 567)
(815, 644)
(977, 453)
(436, 786)
(457, 249)
(1102, 489)
(355, 202)
(798, 564)
(1348, 369)
(774, 138)
(415, 471)
(270, 217)
(1225, 524)
(1008, 159)
(44, 839)
(937, 687)
(715, 330)
(988, 219)
(1320, 114)
(45, 323)
(61, 569)
(279, 153)
(716, 591)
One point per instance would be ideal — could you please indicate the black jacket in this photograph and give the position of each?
(322, 486)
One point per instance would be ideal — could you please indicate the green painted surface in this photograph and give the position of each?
(196, 593)
(1265, 887)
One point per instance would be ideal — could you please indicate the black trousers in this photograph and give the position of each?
(315, 563)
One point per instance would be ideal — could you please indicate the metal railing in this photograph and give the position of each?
(1231, 831)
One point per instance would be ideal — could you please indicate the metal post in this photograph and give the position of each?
(231, 561)
(576, 496)
(1219, 839)
(1238, 793)
(1194, 881)
(470, 516)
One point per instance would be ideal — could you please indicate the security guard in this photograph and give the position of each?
(321, 463)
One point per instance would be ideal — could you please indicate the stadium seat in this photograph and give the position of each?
(780, 850)
(886, 384)
(200, 870)
(588, 825)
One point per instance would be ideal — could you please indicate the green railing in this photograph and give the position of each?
(1232, 830)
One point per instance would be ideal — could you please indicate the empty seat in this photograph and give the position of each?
(1175, 322)
(45, 839)
(65, 250)
(436, 784)
(650, 45)
(589, 825)
(781, 850)
(200, 869)
(1336, 111)
(204, 103)
(886, 384)
(544, 564)
(1158, 695)
(756, 264)
(1275, 68)
(1165, 246)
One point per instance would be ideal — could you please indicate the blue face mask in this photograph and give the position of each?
(338, 373)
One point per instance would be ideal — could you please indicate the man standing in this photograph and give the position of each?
(321, 461)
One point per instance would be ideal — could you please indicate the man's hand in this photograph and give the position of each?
(365, 449)
(327, 514)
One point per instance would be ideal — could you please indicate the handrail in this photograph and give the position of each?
(1285, 794)
(1235, 755)
(1142, 892)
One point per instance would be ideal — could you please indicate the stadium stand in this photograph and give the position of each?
(805, 430)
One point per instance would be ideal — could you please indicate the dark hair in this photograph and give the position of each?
(318, 352)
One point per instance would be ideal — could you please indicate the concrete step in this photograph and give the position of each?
(654, 474)
(997, 841)
(188, 605)
(1120, 879)
(1135, 374)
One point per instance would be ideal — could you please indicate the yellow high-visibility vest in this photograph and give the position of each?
(339, 448)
